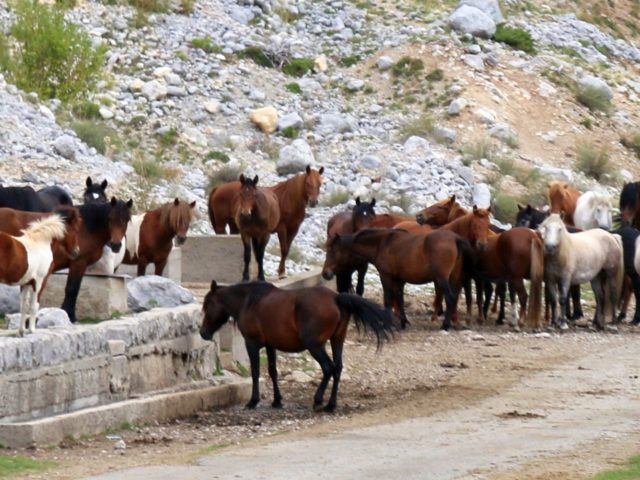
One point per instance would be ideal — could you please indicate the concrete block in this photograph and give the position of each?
(219, 257)
(232, 341)
(173, 269)
(116, 347)
(100, 296)
(119, 376)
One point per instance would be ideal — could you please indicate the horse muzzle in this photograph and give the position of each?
(549, 249)
(180, 239)
(75, 253)
(482, 246)
(327, 275)
(206, 334)
(313, 202)
(421, 219)
(115, 246)
(245, 216)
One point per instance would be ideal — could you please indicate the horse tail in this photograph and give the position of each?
(465, 252)
(621, 271)
(212, 217)
(367, 314)
(536, 276)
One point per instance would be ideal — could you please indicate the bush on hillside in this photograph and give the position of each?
(50, 55)
(595, 99)
(592, 161)
(514, 37)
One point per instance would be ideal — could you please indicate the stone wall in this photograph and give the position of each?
(65, 369)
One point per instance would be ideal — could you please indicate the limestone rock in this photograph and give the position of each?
(589, 81)
(266, 118)
(294, 158)
(489, 7)
(481, 195)
(384, 63)
(9, 299)
(154, 90)
(471, 20)
(320, 64)
(151, 291)
(290, 120)
(65, 146)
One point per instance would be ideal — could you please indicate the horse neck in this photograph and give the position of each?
(368, 245)
(460, 225)
(233, 298)
(293, 188)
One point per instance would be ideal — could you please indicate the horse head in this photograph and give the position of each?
(337, 255)
(438, 213)
(119, 217)
(95, 193)
(602, 213)
(247, 195)
(179, 218)
(479, 227)
(214, 313)
(362, 214)
(551, 231)
(73, 221)
(312, 184)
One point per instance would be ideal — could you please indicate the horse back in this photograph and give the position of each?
(221, 201)
(21, 198)
(13, 221)
(13, 259)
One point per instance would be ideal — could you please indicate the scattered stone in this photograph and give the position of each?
(490, 7)
(456, 106)
(384, 63)
(416, 146)
(212, 106)
(106, 113)
(503, 132)
(46, 318)
(294, 158)
(320, 64)
(481, 194)
(154, 90)
(370, 162)
(65, 146)
(474, 61)
(336, 123)
(589, 81)
(136, 85)
(120, 445)
(546, 89)
(485, 116)
(298, 377)
(355, 84)
(290, 120)
(471, 20)
(444, 134)
(151, 291)
(266, 118)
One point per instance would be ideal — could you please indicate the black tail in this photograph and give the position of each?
(468, 261)
(367, 314)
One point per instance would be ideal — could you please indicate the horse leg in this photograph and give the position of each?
(522, 299)
(635, 281)
(362, 271)
(449, 299)
(343, 282)
(253, 350)
(487, 292)
(24, 315)
(564, 299)
(336, 350)
(597, 285)
(233, 228)
(612, 284)
(34, 306)
(625, 296)
(259, 246)
(273, 373)
(437, 305)
(501, 293)
(142, 267)
(399, 289)
(575, 300)
(468, 296)
(159, 266)
(72, 288)
(247, 257)
(320, 355)
(285, 244)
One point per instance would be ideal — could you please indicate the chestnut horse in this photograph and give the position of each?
(149, 237)
(345, 223)
(437, 214)
(27, 260)
(562, 199)
(257, 214)
(401, 257)
(292, 321)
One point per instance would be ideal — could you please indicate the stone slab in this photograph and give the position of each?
(100, 297)
(218, 257)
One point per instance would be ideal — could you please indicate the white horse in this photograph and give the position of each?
(593, 210)
(571, 259)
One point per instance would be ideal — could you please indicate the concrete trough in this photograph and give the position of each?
(172, 271)
(214, 256)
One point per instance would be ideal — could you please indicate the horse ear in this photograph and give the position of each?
(255, 180)
(489, 208)
(89, 182)
(104, 184)
(176, 201)
(130, 203)
(321, 171)
(520, 207)
(357, 200)
(214, 285)
(241, 178)
(475, 208)
(114, 200)
(453, 198)
(308, 169)
(373, 202)
(192, 204)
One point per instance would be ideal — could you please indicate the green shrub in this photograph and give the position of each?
(336, 197)
(587, 123)
(422, 127)
(52, 56)
(227, 173)
(436, 75)
(150, 6)
(258, 56)
(216, 155)
(595, 99)
(407, 67)
(592, 161)
(632, 142)
(349, 61)
(482, 148)
(147, 168)
(290, 132)
(514, 37)
(168, 138)
(505, 207)
(86, 110)
(94, 134)
(293, 87)
(205, 44)
(298, 67)
(186, 7)
(286, 15)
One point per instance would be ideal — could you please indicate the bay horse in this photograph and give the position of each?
(345, 223)
(402, 257)
(563, 198)
(257, 213)
(95, 192)
(438, 213)
(631, 253)
(593, 210)
(593, 255)
(292, 321)
(27, 260)
(149, 237)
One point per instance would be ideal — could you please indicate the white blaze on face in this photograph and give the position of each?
(95, 196)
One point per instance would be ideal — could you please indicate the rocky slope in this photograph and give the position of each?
(460, 114)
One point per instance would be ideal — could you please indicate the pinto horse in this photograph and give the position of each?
(27, 260)
(257, 214)
(563, 198)
(95, 192)
(345, 223)
(592, 255)
(292, 321)
(150, 235)
(402, 257)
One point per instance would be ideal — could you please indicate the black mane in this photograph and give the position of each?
(95, 216)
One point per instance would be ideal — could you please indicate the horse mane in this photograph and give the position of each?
(45, 229)
(293, 186)
(457, 211)
(257, 292)
(173, 215)
(95, 215)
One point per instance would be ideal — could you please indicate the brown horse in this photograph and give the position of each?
(389, 220)
(257, 214)
(562, 199)
(401, 257)
(292, 321)
(437, 214)
(27, 260)
(345, 223)
(150, 235)
(221, 207)
(294, 195)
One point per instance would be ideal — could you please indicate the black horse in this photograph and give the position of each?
(529, 217)
(95, 192)
(28, 200)
(629, 236)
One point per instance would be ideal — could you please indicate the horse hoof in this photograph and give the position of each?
(329, 408)
(282, 276)
(564, 326)
(251, 404)
(463, 326)
(276, 404)
(317, 407)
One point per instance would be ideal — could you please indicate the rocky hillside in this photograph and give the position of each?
(408, 101)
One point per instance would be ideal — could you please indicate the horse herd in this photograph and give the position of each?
(43, 232)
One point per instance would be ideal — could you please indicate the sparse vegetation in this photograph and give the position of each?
(95, 134)
(595, 99)
(290, 132)
(629, 471)
(147, 168)
(150, 6)
(435, 75)
(205, 44)
(514, 37)
(505, 207)
(227, 173)
(587, 123)
(632, 142)
(293, 87)
(482, 148)
(286, 15)
(11, 465)
(349, 61)
(591, 160)
(49, 54)
(86, 110)
(338, 196)
(422, 127)
(407, 67)
(168, 138)
(298, 67)
(258, 55)
(216, 155)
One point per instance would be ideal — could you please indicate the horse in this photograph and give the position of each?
(345, 223)
(28, 200)
(529, 217)
(631, 253)
(27, 260)
(94, 192)
(389, 220)
(294, 194)
(593, 255)
(438, 213)
(53, 197)
(257, 213)
(593, 210)
(292, 321)
(149, 236)
(628, 202)
(563, 198)
(402, 257)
